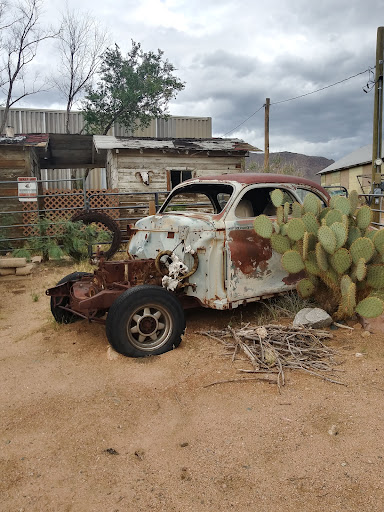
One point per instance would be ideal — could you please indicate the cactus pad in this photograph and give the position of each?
(353, 234)
(323, 213)
(375, 276)
(305, 245)
(341, 233)
(312, 204)
(280, 243)
(362, 248)
(348, 301)
(263, 226)
(333, 216)
(292, 262)
(371, 307)
(354, 200)
(297, 210)
(280, 215)
(378, 240)
(310, 222)
(311, 265)
(327, 238)
(360, 270)
(364, 217)
(341, 260)
(277, 197)
(305, 288)
(342, 204)
(295, 229)
(345, 283)
(321, 258)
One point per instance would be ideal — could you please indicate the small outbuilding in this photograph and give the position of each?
(352, 171)
(158, 164)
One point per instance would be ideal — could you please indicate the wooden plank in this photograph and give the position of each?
(8, 192)
(12, 164)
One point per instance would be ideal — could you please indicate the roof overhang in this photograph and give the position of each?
(68, 151)
(105, 142)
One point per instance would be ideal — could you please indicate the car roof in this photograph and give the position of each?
(249, 178)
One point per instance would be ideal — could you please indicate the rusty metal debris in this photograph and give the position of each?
(272, 349)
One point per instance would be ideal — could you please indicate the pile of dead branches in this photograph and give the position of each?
(271, 349)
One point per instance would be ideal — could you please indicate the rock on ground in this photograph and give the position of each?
(316, 318)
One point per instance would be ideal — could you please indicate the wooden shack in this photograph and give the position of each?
(153, 164)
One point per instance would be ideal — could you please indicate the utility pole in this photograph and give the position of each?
(266, 134)
(377, 120)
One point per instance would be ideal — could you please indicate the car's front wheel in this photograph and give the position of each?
(145, 320)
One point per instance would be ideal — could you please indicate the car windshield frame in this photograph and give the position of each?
(211, 190)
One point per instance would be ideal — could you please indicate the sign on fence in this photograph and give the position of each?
(27, 188)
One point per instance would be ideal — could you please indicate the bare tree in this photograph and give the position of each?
(81, 43)
(21, 36)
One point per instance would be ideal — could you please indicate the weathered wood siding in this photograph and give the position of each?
(15, 161)
(123, 168)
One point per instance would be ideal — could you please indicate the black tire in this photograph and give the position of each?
(144, 321)
(107, 221)
(60, 315)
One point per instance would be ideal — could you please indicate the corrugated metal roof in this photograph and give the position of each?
(107, 142)
(361, 156)
(36, 140)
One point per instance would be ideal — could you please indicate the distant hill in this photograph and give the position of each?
(305, 165)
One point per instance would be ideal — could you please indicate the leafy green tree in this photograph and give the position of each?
(132, 90)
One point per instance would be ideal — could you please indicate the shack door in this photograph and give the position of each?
(253, 269)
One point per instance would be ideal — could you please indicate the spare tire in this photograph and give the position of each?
(107, 221)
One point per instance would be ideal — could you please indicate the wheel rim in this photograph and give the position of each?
(149, 327)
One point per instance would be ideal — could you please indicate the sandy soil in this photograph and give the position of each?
(81, 431)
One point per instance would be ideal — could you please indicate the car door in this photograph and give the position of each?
(253, 269)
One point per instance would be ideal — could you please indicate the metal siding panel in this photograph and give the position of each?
(53, 121)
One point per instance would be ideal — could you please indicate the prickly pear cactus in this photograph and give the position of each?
(341, 254)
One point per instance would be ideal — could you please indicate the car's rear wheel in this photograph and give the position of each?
(61, 315)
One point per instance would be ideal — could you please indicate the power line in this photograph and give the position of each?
(322, 88)
(369, 69)
(230, 131)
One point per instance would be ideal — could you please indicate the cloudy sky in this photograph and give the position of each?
(233, 54)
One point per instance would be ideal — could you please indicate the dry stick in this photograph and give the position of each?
(268, 381)
(343, 326)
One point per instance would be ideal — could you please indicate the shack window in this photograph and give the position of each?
(178, 176)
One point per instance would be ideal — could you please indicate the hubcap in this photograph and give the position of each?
(149, 327)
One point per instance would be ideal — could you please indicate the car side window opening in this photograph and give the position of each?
(257, 201)
(303, 192)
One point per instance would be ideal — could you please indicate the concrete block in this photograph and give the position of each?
(25, 271)
(7, 271)
(12, 262)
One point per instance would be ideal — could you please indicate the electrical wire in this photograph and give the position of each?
(230, 131)
(369, 69)
(322, 88)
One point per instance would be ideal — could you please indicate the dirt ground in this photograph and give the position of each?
(82, 430)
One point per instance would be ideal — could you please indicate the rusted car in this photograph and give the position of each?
(199, 250)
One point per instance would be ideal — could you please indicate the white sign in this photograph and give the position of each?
(27, 188)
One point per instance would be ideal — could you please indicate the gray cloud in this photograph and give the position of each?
(232, 56)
